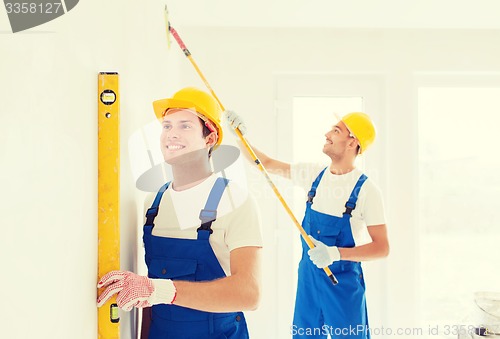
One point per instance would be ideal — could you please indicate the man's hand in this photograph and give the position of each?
(322, 255)
(235, 121)
(134, 290)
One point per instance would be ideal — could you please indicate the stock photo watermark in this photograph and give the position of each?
(24, 15)
(356, 330)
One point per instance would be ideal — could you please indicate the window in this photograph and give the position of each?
(458, 201)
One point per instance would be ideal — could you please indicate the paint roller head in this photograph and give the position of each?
(167, 25)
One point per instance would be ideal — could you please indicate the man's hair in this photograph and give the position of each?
(206, 132)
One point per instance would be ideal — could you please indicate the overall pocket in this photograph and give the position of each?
(177, 269)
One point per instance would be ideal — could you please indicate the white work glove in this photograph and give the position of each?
(135, 290)
(322, 255)
(235, 121)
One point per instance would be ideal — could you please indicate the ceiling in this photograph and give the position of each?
(454, 14)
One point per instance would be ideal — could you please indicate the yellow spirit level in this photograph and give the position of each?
(108, 205)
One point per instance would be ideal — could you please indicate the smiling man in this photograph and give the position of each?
(345, 219)
(201, 235)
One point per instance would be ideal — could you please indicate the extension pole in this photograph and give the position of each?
(246, 144)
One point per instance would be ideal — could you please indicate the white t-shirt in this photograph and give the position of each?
(237, 224)
(334, 191)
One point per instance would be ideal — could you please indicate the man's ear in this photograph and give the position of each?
(211, 139)
(353, 143)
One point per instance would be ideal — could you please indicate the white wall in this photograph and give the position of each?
(48, 146)
(48, 152)
(337, 13)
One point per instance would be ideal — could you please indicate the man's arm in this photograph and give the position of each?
(238, 292)
(271, 165)
(378, 248)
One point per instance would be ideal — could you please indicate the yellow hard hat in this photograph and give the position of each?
(205, 105)
(361, 127)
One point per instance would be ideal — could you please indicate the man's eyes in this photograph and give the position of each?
(183, 126)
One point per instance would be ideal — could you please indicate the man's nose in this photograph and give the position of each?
(173, 134)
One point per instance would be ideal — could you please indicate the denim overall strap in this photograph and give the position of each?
(350, 205)
(312, 192)
(209, 213)
(153, 210)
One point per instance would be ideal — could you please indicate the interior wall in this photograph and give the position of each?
(48, 149)
(48, 152)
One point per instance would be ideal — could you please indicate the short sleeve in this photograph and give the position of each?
(374, 213)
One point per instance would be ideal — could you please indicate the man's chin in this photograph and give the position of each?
(173, 158)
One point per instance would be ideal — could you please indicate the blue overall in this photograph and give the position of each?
(322, 308)
(189, 260)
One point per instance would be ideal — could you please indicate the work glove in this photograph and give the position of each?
(135, 291)
(235, 121)
(322, 255)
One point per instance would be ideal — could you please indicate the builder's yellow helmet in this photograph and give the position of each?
(205, 105)
(361, 127)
